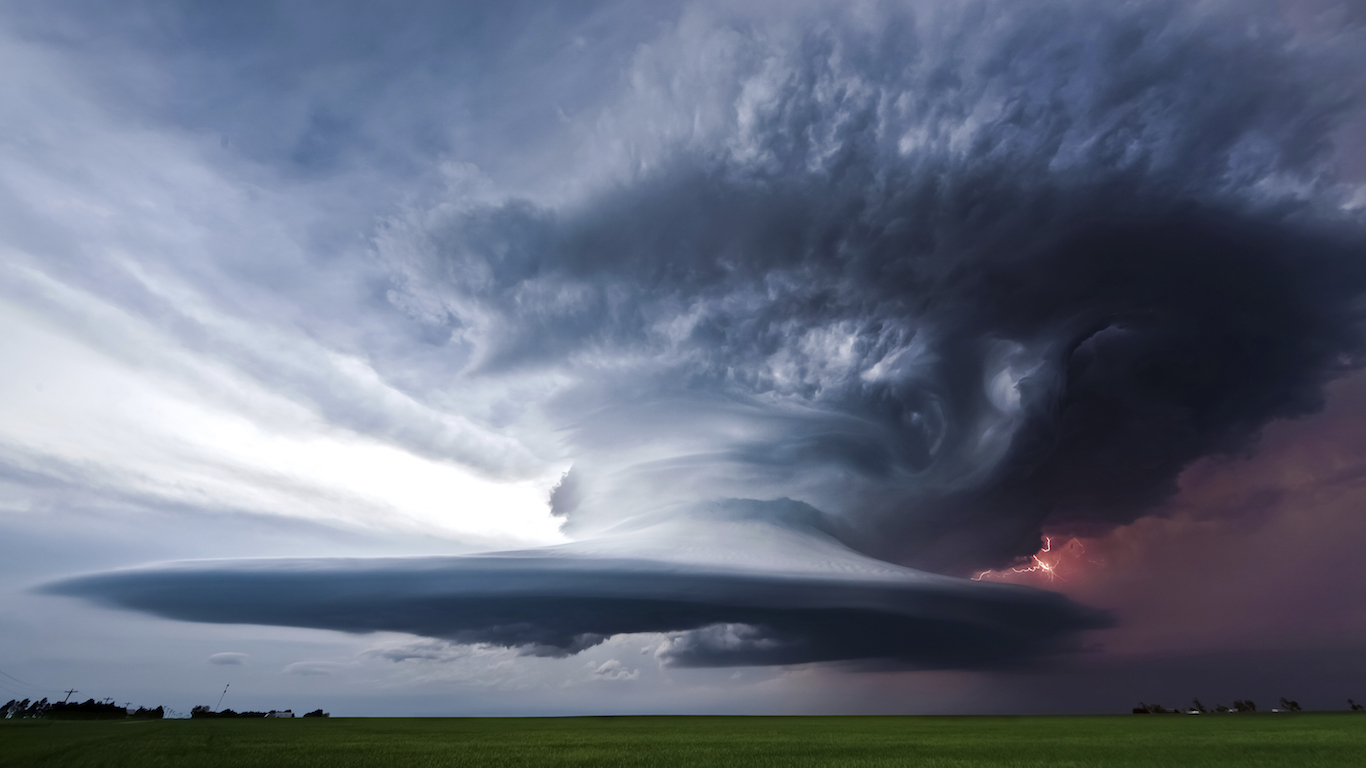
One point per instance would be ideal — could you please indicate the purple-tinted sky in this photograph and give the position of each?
(528, 358)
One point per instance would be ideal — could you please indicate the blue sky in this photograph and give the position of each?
(768, 337)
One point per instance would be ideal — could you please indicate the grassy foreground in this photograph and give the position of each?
(929, 742)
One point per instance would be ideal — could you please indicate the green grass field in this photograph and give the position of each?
(961, 742)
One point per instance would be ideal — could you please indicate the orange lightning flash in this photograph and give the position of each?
(1045, 561)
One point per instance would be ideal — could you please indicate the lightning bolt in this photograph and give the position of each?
(1036, 564)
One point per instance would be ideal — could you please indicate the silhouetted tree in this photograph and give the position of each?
(316, 713)
(21, 709)
(1197, 706)
(1289, 706)
(100, 710)
(88, 709)
(1244, 706)
(207, 713)
(1221, 708)
(1355, 706)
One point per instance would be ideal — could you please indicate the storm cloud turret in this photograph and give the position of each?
(952, 276)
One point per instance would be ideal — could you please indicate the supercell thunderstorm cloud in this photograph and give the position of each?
(846, 307)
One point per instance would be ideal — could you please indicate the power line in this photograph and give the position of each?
(4, 687)
(26, 683)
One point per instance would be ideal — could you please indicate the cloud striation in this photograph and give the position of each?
(794, 596)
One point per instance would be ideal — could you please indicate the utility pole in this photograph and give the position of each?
(220, 698)
(68, 694)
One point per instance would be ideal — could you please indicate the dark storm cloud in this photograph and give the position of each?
(946, 274)
(555, 603)
(951, 276)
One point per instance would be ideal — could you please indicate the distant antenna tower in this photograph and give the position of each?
(220, 698)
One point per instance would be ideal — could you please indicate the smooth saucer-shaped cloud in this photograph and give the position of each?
(737, 583)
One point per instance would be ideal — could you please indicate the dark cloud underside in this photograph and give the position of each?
(556, 606)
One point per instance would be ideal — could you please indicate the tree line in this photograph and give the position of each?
(107, 710)
(85, 710)
(1240, 705)
(203, 712)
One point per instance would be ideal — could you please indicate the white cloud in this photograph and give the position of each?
(151, 431)
(614, 670)
(229, 658)
(314, 668)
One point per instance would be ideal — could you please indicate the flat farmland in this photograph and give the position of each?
(937, 742)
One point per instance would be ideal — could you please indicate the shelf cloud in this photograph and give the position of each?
(765, 594)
